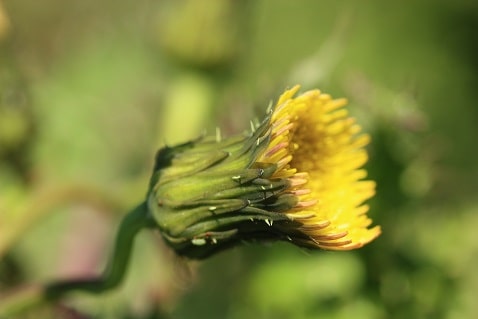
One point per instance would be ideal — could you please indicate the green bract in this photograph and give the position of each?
(209, 194)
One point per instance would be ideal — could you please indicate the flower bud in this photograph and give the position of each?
(295, 177)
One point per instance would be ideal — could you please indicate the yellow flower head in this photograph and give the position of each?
(296, 177)
(317, 147)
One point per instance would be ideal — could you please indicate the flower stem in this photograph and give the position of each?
(112, 276)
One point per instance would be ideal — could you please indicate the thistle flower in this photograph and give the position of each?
(296, 177)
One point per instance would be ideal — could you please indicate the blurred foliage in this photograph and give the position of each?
(90, 89)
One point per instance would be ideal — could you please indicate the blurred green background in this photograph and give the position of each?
(89, 90)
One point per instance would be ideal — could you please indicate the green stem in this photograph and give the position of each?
(136, 220)
(114, 273)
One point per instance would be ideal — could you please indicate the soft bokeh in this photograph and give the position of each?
(89, 90)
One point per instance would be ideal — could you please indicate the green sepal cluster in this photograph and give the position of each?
(209, 194)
